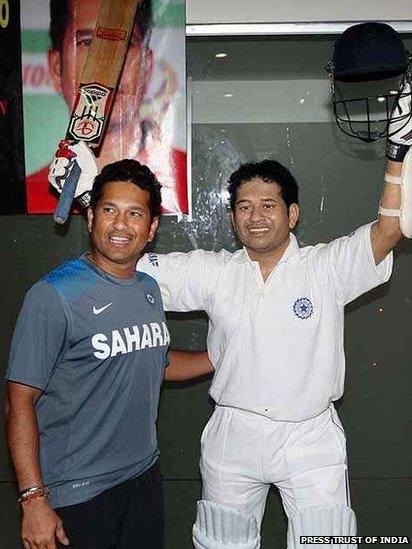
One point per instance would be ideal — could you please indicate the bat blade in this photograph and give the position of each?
(98, 83)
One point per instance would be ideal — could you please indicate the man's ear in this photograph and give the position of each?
(154, 224)
(232, 217)
(90, 217)
(293, 215)
(54, 60)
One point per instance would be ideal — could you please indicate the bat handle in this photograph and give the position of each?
(66, 198)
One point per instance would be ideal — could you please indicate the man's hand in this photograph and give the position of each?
(400, 126)
(395, 211)
(63, 162)
(41, 526)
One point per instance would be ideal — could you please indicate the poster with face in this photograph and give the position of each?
(147, 122)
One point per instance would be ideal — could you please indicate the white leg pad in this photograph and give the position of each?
(221, 527)
(337, 521)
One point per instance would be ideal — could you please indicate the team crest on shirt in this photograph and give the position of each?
(303, 308)
(150, 298)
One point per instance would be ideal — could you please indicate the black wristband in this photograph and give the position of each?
(84, 199)
(396, 151)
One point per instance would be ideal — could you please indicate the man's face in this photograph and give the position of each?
(261, 218)
(120, 227)
(66, 66)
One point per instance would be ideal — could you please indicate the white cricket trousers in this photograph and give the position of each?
(243, 453)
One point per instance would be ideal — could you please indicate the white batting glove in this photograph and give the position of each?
(399, 143)
(64, 158)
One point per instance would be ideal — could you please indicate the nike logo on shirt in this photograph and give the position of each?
(97, 311)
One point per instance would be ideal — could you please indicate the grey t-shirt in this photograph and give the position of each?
(96, 346)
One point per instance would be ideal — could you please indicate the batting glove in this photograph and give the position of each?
(64, 158)
(400, 126)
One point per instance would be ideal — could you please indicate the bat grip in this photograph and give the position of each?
(66, 198)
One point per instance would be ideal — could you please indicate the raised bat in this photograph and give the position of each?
(97, 88)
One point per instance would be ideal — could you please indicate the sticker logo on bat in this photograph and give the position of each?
(90, 112)
(114, 35)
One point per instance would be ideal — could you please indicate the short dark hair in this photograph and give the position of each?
(61, 14)
(269, 171)
(130, 171)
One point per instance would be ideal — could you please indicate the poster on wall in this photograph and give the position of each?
(147, 122)
(12, 188)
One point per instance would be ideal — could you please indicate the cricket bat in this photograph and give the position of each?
(97, 88)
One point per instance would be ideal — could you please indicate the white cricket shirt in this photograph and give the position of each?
(276, 346)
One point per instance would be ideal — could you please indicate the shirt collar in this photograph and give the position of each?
(291, 250)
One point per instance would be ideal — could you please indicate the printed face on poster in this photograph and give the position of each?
(147, 121)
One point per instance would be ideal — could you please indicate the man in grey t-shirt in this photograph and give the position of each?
(86, 364)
